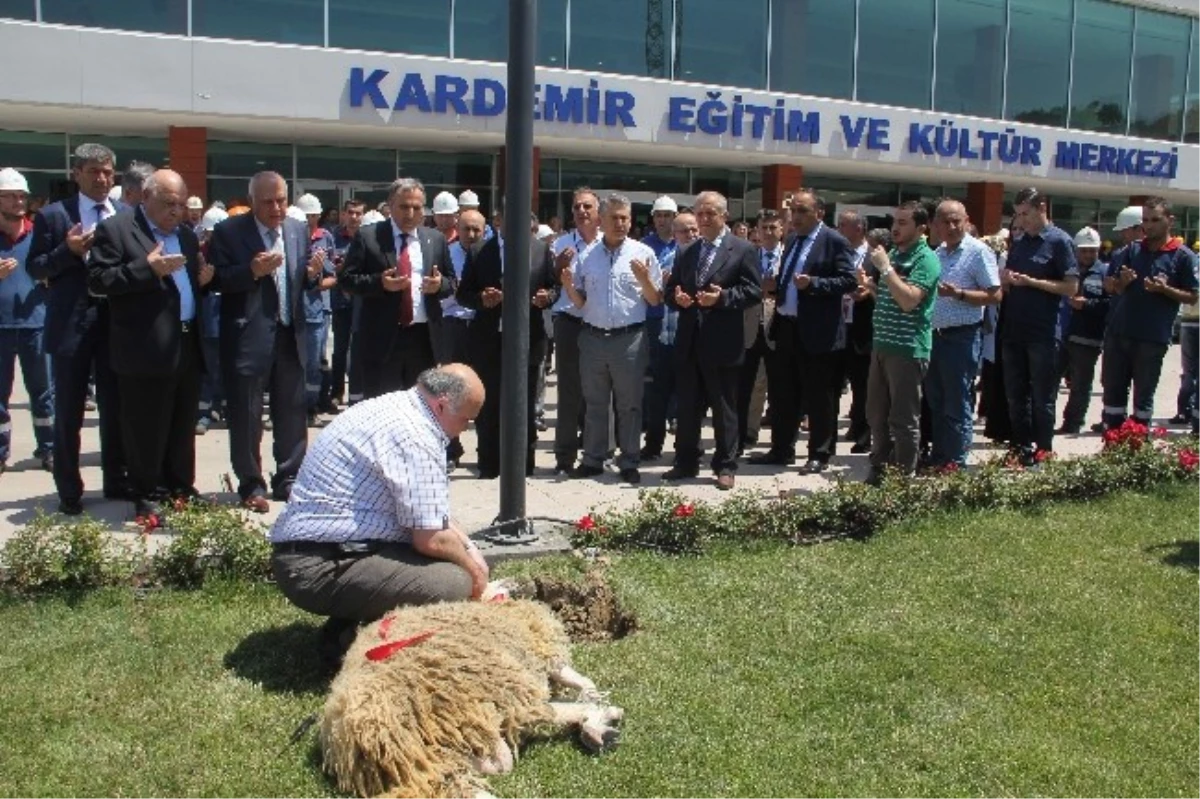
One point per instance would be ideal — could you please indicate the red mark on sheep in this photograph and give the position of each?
(385, 651)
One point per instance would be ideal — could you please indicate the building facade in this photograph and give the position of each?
(870, 101)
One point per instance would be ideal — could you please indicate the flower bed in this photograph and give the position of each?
(1133, 458)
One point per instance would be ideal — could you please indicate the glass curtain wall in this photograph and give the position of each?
(810, 41)
(1160, 75)
(1100, 69)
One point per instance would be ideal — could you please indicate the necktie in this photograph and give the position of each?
(101, 212)
(707, 252)
(281, 283)
(404, 269)
(770, 264)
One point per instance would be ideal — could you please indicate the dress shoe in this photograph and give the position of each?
(814, 466)
(679, 473)
(1065, 430)
(3, 467)
(631, 476)
(1098, 427)
(257, 504)
(47, 459)
(770, 458)
(724, 482)
(1179, 419)
(650, 454)
(860, 448)
(119, 492)
(583, 470)
(282, 492)
(487, 474)
(70, 507)
(203, 425)
(145, 507)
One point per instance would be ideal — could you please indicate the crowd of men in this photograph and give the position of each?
(172, 317)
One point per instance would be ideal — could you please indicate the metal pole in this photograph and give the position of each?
(518, 200)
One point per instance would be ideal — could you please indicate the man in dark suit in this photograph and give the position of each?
(262, 268)
(715, 279)
(402, 272)
(76, 333)
(810, 336)
(149, 267)
(481, 289)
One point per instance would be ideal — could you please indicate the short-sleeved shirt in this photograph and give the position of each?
(614, 295)
(661, 249)
(1031, 315)
(909, 334)
(582, 248)
(971, 265)
(1139, 314)
(376, 473)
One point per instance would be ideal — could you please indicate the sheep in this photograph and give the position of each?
(431, 700)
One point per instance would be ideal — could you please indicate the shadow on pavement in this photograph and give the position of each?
(282, 659)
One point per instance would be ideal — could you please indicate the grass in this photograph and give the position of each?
(1051, 653)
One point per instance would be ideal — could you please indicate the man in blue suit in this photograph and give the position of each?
(810, 336)
(76, 333)
(262, 265)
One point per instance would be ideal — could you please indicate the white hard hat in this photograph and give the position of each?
(468, 199)
(211, 217)
(296, 213)
(12, 180)
(664, 203)
(194, 203)
(1130, 216)
(544, 231)
(308, 204)
(445, 203)
(372, 217)
(114, 193)
(1087, 237)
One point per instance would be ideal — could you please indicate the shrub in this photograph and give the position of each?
(211, 541)
(51, 553)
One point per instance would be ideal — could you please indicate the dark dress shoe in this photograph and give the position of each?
(1098, 427)
(1179, 419)
(650, 454)
(679, 473)
(487, 474)
(70, 507)
(282, 492)
(257, 504)
(48, 462)
(814, 466)
(769, 458)
(724, 482)
(1066, 430)
(860, 448)
(119, 492)
(145, 507)
(584, 471)
(631, 476)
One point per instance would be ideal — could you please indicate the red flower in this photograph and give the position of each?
(586, 524)
(1159, 432)
(1188, 460)
(1043, 455)
(684, 511)
(180, 503)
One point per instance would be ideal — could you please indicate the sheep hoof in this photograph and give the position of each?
(598, 733)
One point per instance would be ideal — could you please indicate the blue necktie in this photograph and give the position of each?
(707, 252)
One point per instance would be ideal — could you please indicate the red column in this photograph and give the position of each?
(985, 206)
(501, 173)
(187, 149)
(779, 180)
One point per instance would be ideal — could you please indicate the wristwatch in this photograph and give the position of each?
(883, 273)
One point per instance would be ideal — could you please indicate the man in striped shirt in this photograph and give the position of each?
(907, 288)
(368, 524)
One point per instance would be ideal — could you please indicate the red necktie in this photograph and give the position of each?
(404, 269)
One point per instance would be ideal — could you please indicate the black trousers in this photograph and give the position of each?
(71, 376)
(289, 418)
(701, 385)
(158, 419)
(342, 322)
(858, 367)
(396, 367)
(810, 382)
(485, 359)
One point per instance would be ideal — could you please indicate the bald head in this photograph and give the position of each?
(455, 395)
(268, 198)
(950, 223)
(470, 227)
(164, 199)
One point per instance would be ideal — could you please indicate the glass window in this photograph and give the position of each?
(481, 31)
(1100, 82)
(22, 150)
(1159, 75)
(548, 174)
(243, 159)
(608, 176)
(1191, 112)
(345, 164)
(158, 16)
(231, 191)
(639, 45)
(810, 48)
(722, 45)
(1039, 39)
(397, 27)
(895, 52)
(455, 171)
(970, 57)
(127, 148)
(285, 21)
(730, 182)
(18, 9)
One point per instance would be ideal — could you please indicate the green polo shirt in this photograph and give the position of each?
(909, 334)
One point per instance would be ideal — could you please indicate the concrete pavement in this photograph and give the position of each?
(25, 487)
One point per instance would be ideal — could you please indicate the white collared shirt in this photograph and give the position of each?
(90, 216)
(582, 248)
(183, 284)
(418, 272)
(613, 293)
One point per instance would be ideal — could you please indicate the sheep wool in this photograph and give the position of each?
(412, 722)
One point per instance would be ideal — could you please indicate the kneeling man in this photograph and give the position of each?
(368, 524)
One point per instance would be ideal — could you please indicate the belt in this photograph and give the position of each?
(187, 326)
(568, 317)
(614, 331)
(946, 331)
(330, 548)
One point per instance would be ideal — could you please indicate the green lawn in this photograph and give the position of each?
(1051, 653)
